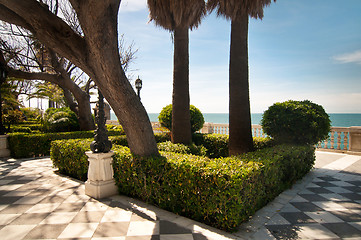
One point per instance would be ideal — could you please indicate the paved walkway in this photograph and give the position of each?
(36, 203)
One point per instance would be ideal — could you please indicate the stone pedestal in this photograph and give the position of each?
(355, 139)
(100, 183)
(4, 146)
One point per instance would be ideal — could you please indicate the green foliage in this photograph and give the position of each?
(13, 116)
(300, 122)
(70, 158)
(24, 145)
(197, 120)
(181, 148)
(112, 127)
(122, 140)
(220, 192)
(262, 142)
(165, 117)
(34, 127)
(161, 137)
(216, 144)
(31, 113)
(20, 129)
(60, 120)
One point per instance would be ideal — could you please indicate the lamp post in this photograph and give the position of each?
(3, 76)
(138, 86)
(101, 143)
(100, 183)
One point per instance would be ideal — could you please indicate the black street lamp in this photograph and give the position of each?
(3, 76)
(138, 85)
(101, 143)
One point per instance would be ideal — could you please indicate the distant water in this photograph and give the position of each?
(337, 119)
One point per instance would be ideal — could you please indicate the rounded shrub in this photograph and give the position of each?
(300, 122)
(60, 120)
(197, 120)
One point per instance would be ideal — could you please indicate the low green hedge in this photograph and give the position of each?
(122, 140)
(20, 129)
(168, 146)
(69, 157)
(217, 144)
(24, 145)
(220, 192)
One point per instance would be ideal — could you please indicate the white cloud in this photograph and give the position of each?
(132, 5)
(354, 57)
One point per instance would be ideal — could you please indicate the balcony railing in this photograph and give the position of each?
(341, 139)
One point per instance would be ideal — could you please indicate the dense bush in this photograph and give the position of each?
(300, 122)
(13, 116)
(217, 144)
(24, 145)
(70, 158)
(197, 120)
(31, 113)
(60, 120)
(122, 140)
(220, 192)
(23, 129)
(181, 148)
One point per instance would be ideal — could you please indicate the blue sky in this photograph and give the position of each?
(300, 50)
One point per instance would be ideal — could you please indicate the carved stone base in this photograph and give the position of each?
(355, 139)
(100, 183)
(4, 146)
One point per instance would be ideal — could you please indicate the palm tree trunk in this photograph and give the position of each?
(240, 134)
(181, 119)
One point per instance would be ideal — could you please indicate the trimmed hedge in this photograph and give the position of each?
(197, 120)
(217, 144)
(220, 192)
(298, 122)
(70, 158)
(122, 140)
(168, 146)
(23, 145)
(20, 129)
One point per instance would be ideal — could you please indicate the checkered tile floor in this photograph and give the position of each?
(35, 203)
(328, 208)
(325, 204)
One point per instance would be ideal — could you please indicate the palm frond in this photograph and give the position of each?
(232, 9)
(177, 13)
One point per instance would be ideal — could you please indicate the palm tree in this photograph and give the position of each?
(178, 16)
(238, 11)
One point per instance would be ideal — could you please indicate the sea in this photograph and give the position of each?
(337, 119)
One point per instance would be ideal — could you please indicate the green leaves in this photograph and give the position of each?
(197, 120)
(300, 122)
(221, 192)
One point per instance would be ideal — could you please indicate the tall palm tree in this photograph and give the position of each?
(178, 16)
(238, 11)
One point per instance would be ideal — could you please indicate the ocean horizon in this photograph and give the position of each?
(337, 119)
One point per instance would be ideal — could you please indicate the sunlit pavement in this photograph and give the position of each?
(36, 203)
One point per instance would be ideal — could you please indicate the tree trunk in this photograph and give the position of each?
(240, 133)
(96, 53)
(104, 61)
(181, 119)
